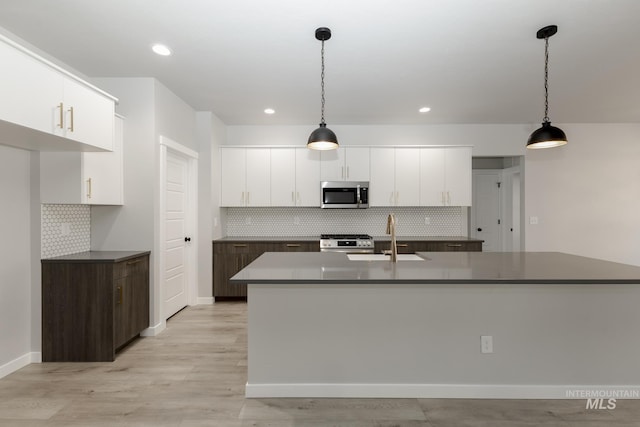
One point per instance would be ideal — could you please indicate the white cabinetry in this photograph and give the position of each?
(445, 176)
(307, 177)
(84, 177)
(295, 177)
(45, 108)
(395, 177)
(345, 164)
(245, 177)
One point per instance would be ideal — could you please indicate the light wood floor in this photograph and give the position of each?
(193, 374)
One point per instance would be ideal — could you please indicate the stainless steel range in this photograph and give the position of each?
(350, 243)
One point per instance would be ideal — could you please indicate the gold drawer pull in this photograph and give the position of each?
(134, 262)
(402, 245)
(119, 295)
(451, 245)
(239, 245)
(293, 245)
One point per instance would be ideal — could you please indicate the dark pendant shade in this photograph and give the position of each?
(322, 138)
(546, 136)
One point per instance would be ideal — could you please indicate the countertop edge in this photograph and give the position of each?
(95, 257)
(438, 281)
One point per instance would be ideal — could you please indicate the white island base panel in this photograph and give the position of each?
(550, 341)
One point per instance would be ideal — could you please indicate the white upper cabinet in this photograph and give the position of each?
(233, 167)
(88, 115)
(295, 177)
(43, 107)
(94, 178)
(31, 91)
(283, 177)
(398, 176)
(407, 177)
(395, 177)
(307, 177)
(246, 179)
(345, 164)
(445, 176)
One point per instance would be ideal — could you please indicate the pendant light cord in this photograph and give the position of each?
(322, 83)
(546, 80)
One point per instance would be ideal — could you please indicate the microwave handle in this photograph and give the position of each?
(358, 195)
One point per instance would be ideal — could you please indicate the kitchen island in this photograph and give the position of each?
(321, 325)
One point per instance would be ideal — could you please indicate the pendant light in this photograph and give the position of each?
(322, 138)
(547, 136)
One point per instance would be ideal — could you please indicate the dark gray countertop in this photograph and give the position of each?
(97, 256)
(438, 267)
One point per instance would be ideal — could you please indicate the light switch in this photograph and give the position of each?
(533, 220)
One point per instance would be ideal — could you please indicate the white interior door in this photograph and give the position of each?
(176, 240)
(485, 209)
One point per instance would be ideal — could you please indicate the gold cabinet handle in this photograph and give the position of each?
(119, 295)
(239, 245)
(134, 261)
(402, 245)
(71, 121)
(89, 188)
(61, 124)
(293, 245)
(451, 245)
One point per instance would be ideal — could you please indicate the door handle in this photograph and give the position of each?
(187, 239)
(479, 229)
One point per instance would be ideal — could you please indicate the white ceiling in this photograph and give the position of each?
(471, 61)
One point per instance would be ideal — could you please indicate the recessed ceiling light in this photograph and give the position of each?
(269, 111)
(424, 110)
(161, 49)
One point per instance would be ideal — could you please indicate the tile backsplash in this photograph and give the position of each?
(411, 221)
(65, 229)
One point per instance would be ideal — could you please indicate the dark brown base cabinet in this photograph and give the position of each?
(413, 246)
(229, 257)
(93, 303)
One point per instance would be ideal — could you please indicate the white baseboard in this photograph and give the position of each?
(431, 391)
(205, 300)
(20, 362)
(152, 331)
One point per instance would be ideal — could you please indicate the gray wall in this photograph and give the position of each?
(586, 194)
(15, 253)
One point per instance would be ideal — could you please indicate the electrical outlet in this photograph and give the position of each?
(533, 220)
(427, 220)
(486, 344)
(296, 220)
(247, 220)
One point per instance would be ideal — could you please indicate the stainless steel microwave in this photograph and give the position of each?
(344, 194)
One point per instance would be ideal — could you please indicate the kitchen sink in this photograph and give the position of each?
(383, 257)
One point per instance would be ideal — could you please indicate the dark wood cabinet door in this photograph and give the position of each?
(231, 257)
(131, 309)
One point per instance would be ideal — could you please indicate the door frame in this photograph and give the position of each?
(472, 219)
(191, 269)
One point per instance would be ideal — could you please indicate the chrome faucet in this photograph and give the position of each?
(391, 229)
